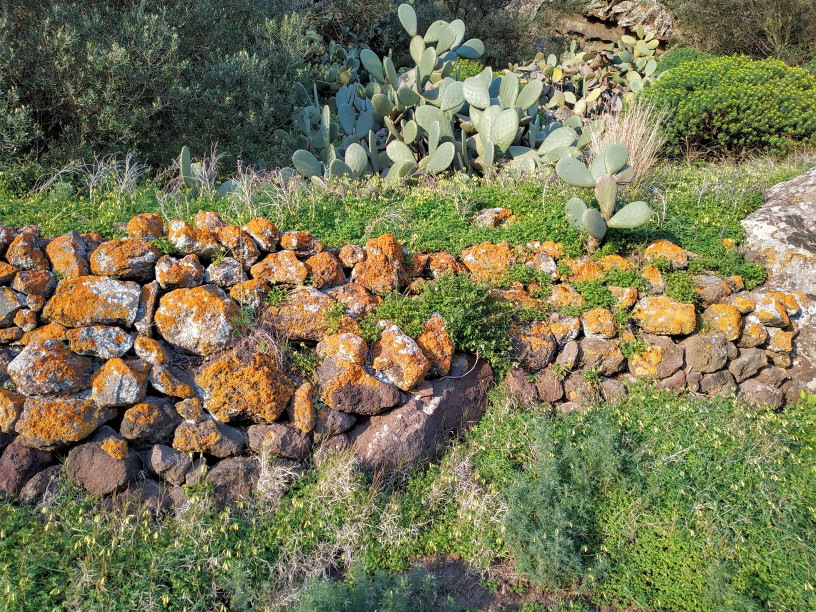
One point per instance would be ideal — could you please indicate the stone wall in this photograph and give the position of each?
(141, 372)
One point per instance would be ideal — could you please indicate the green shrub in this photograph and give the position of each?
(147, 76)
(677, 56)
(736, 105)
(811, 66)
(672, 504)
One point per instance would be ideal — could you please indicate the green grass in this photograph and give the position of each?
(697, 206)
(657, 502)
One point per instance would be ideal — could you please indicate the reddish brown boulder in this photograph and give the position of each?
(348, 387)
(35, 282)
(18, 464)
(152, 421)
(102, 466)
(280, 440)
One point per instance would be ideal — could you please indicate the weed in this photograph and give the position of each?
(680, 287)
(276, 296)
(334, 314)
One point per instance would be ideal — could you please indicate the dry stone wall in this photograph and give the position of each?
(135, 372)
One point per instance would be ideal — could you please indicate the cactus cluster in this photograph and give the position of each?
(606, 173)
(435, 119)
(585, 82)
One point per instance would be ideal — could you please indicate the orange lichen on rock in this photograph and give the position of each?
(584, 269)
(486, 261)
(164, 381)
(173, 273)
(239, 243)
(48, 368)
(350, 255)
(52, 331)
(663, 249)
(654, 277)
(563, 296)
(348, 387)
(599, 322)
(398, 357)
(382, 270)
(436, 345)
(344, 346)
(444, 263)
(120, 383)
(614, 262)
(302, 316)
(279, 268)
(325, 270)
(127, 258)
(34, 282)
(150, 350)
(645, 363)
(663, 316)
(187, 239)
(771, 312)
(115, 447)
(145, 226)
(254, 388)
(11, 407)
(303, 411)
(49, 423)
(787, 300)
(263, 232)
(90, 300)
(626, 296)
(725, 318)
(197, 320)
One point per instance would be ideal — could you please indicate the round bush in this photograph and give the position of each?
(679, 55)
(735, 105)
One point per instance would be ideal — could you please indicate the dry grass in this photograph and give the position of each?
(638, 128)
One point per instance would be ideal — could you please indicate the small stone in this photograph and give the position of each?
(718, 383)
(663, 249)
(436, 345)
(382, 270)
(34, 282)
(301, 242)
(233, 480)
(279, 268)
(724, 318)
(193, 240)
(357, 299)
(578, 390)
(303, 411)
(744, 305)
(10, 335)
(52, 331)
(398, 357)
(350, 255)
(599, 323)
(42, 487)
(788, 301)
(147, 309)
(191, 409)
(569, 355)
(753, 333)
(253, 388)
(710, 288)
(760, 395)
(100, 466)
(152, 421)
(208, 436)
(172, 273)
(534, 345)
(25, 251)
(150, 350)
(325, 270)
(488, 261)
(626, 296)
(330, 423)
(250, 294)
(50, 423)
(549, 385)
(120, 383)
(239, 244)
(676, 381)
(26, 320)
(164, 381)
(773, 376)
(93, 300)
(612, 389)
(264, 233)
(749, 362)
(101, 341)
(7, 272)
(655, 279)
(601, 356)
(584, 269)
(18, 464)
(125, 259)
(145, 226)
(345, 347)
(279, 440)
(781, 360)
(168, 463)
(348, 387)
(48, 368)
(541, 262)
(302, 316)
(197, 320)
(614, 262)
(660, 315)
(10, 303)
(781, 340)
(11, 407)
(565, 296)
(771, 312)
(208, 220)
(226, 273)
(494, 217)
(706, 353)
(444, 263)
